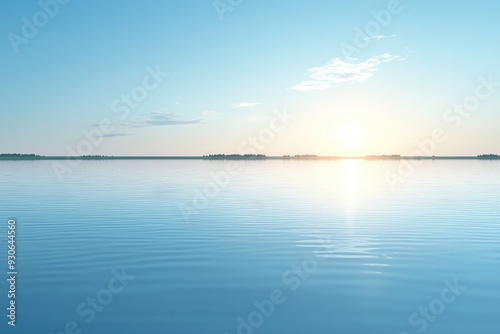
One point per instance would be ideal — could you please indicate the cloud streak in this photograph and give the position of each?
(244, 105)
(379, 37)
(340, 70)
(112, 135)
(159, 118)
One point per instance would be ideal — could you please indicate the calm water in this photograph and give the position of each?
(333, 247)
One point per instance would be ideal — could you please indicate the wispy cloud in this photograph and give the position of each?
(111, 135)
(311, 85)
(160, 118)
(342, 70)
(209, 114)
(244, 105)
(379, 37)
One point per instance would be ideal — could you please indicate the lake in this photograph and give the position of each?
(192, 246)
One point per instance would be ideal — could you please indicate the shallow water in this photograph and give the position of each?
(319, 246)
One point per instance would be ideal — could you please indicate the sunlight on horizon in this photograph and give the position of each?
(350, 138)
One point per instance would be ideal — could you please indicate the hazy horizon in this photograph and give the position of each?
(269, 156)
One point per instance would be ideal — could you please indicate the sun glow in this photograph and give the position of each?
(351, 137)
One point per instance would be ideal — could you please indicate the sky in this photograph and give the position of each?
(194, 77)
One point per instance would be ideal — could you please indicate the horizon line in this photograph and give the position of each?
(18, 156)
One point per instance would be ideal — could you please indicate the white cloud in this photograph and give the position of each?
(244, 105)
(311, 85)
(341, 70)
(379, 37)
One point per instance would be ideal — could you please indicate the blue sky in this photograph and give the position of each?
(227, 77)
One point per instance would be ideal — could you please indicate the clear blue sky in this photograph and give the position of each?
(226, 76)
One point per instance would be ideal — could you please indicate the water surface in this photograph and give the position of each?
(347, 253)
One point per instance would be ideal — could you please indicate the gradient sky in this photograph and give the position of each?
(227, 77)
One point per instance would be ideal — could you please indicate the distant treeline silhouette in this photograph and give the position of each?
(95, 157)
(235, 157)
(18, 156)
(488, 156)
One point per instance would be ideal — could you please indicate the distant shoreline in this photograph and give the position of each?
(247, 158)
